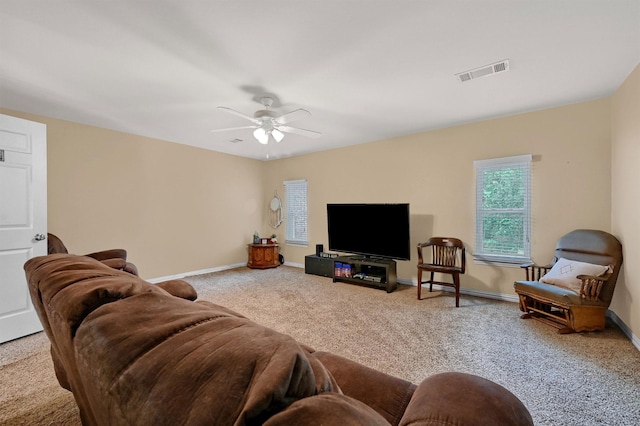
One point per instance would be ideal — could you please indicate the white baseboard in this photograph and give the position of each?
(625, 329)
(475, 293)
(210, 270)
(200, 272)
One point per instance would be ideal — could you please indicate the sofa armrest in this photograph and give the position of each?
(109, 254)
(131, 268)
(464, 399)
(179, 288)
(120, 265)
(387, 395)
(115, 263)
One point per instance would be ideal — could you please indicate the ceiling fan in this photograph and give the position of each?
(267, 122)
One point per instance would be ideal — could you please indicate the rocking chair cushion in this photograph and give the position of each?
(551, 292)
(545, 291)
(564, 273)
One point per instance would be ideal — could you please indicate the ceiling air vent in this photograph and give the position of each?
(484, 71)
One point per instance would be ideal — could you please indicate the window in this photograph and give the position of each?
(503, 212)
(296, 207)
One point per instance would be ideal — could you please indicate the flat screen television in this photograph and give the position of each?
(372, 230)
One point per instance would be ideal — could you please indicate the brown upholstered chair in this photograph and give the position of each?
(444, 256)
(115, 258)
(573, 301)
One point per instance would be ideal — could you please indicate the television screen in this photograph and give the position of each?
(377, 230)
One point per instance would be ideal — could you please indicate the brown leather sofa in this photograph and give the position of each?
(133, 353)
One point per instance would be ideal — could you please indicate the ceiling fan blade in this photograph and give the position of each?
(239, 114)
(297, 114)
(298, 131)
(234, 128)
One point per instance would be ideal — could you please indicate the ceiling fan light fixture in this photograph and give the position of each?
(277, 135)
(261, 135)
(267, 122)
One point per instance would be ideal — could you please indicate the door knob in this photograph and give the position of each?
(40, 237)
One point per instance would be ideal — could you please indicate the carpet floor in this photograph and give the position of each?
(576, 379)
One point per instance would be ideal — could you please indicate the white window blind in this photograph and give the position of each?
(503, 210)
(296, 208)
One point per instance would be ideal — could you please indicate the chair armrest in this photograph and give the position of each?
(535, 272)
(591, 286)
(420, 258)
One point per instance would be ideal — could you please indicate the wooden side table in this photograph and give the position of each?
(263, 256)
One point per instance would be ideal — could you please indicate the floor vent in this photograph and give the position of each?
(484, 71)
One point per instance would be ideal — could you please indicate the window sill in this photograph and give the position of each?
(296, 244)
(505, 262)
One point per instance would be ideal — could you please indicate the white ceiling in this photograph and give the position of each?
(366, 69)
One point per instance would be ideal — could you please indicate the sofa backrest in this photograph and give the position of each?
(65, 289)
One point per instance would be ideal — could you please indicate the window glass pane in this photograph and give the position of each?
(503, 209)
(503, 188)
(502, 234)
(296, 208)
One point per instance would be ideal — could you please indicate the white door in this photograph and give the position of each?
(23, 220)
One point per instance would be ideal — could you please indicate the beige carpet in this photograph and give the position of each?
(577, 379)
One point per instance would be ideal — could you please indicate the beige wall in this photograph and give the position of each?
(434, 172)
(625, 209)
(178, 209)
(174, 208)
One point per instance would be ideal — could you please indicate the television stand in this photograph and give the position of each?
(368, 271)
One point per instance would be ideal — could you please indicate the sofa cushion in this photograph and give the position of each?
(363, 383)
(200, 362)
(328, 409)
(564, 273)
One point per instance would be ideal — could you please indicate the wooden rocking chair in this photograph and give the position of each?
(582, 308)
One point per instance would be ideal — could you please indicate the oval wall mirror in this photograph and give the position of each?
(275, 211)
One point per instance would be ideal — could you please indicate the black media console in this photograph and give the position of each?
(362, 270)
(371, 272)
(318, 265)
